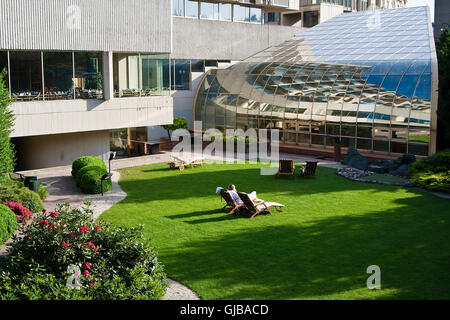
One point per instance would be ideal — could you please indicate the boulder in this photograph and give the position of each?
(406, 159)
(390, 165)
(401, 171)
(355, 160)
(376, 168)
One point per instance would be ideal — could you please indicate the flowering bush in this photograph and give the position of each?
(65, 254)
(21, 212)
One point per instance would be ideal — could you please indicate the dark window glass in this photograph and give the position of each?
(197, 66)
(182, 75)
(88, 75)
(211, 63)
(26, 75)
(58, 75)
(155, 74)
(310, 18)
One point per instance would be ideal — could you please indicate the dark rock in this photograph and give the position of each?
(390, 165)
(376, 168)
(401, 171)
(407, 158)
(378, 162)
(355, 160)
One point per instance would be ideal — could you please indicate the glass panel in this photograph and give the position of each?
(255, 15)
(155, 74)
(209, 10)
(178, 8)
(191, 8)
(58, 75)
(126, 75)
(118, 141)
(241, 13)
(225, 12)
(317, 139)
(88, 76)
(197, 66)
(26, 75)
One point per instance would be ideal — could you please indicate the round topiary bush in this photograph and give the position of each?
(91, 167)
(86, 161)
(30, 199)
(8, 223)
(90, 181)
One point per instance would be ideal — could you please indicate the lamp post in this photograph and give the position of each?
(112, 155)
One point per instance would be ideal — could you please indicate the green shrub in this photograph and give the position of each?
(14, 191)
(93, 167)
(8, 223)
(90, 182)
(43, 191)
(110, 262)
(432, 173)
(86, 161)
(6, 127)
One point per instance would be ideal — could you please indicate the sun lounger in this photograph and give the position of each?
(256, 207)
(180, 162)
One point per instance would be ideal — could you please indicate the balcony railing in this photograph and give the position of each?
(281, 3)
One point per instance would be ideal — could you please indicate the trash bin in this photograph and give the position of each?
(31, 182)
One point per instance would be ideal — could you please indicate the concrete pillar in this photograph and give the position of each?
(108, 79)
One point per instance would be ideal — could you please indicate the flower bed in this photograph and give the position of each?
(65, 254)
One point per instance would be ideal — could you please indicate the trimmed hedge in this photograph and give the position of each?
(8, 223)
(15, 191)
(432, 173)
(90, 182)
(88, 168)
(84, 161)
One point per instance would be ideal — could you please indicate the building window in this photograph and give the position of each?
(197, 66)
(255, 15)
(181, 75)
(155, 74)
(272, 17)
(225, 12)
(58, 75)
(191, 8)
(178, 8)
(209, 10)
(88, 79)
(310, 19)
(26, 75)
(241, 13)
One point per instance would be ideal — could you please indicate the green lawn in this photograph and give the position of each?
(331, 230)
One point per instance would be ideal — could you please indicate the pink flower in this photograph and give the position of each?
(87, 265)
(95, 250)
(95, 280)
(43, 222)
(51, 226)
(85, 273)
(98, 228)
(70, 234)
(84, 228)
(89, 245)
(91, 286)
(65, 244)
(53, 214)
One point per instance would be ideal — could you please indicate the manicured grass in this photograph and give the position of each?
(331, 230)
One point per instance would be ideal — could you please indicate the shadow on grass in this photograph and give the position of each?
(327, 258)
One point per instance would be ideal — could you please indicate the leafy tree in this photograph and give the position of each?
(178, 123)
(443, 55)
(6, 125)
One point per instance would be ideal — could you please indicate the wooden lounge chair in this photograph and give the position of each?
(286, 167)
(253, 206)
(309, 171)
(230, 203)
(181, 163)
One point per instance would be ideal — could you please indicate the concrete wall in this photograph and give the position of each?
(203, 39)
(54, 117)
(441, 16)
(59, 150)
(97, 25)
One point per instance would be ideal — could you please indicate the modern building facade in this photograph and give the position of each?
(366, 79)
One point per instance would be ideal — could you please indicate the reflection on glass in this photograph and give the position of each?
(225, 11)
(88, 79)
(255, 15)
(126, 75)
(209, 10)
(155, 74)
(181, 75)
(58, 75)
(241, 13)
(178, 8)
(26, 75)
(191, 8)
(197, 66)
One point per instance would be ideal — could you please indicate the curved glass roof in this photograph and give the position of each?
(363, 77)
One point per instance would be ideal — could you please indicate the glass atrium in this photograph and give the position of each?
(367, 78)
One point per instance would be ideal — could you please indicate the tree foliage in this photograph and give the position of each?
(443, 55)
(178, 123)
(6, 125)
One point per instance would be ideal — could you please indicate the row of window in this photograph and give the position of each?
(216, 11)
